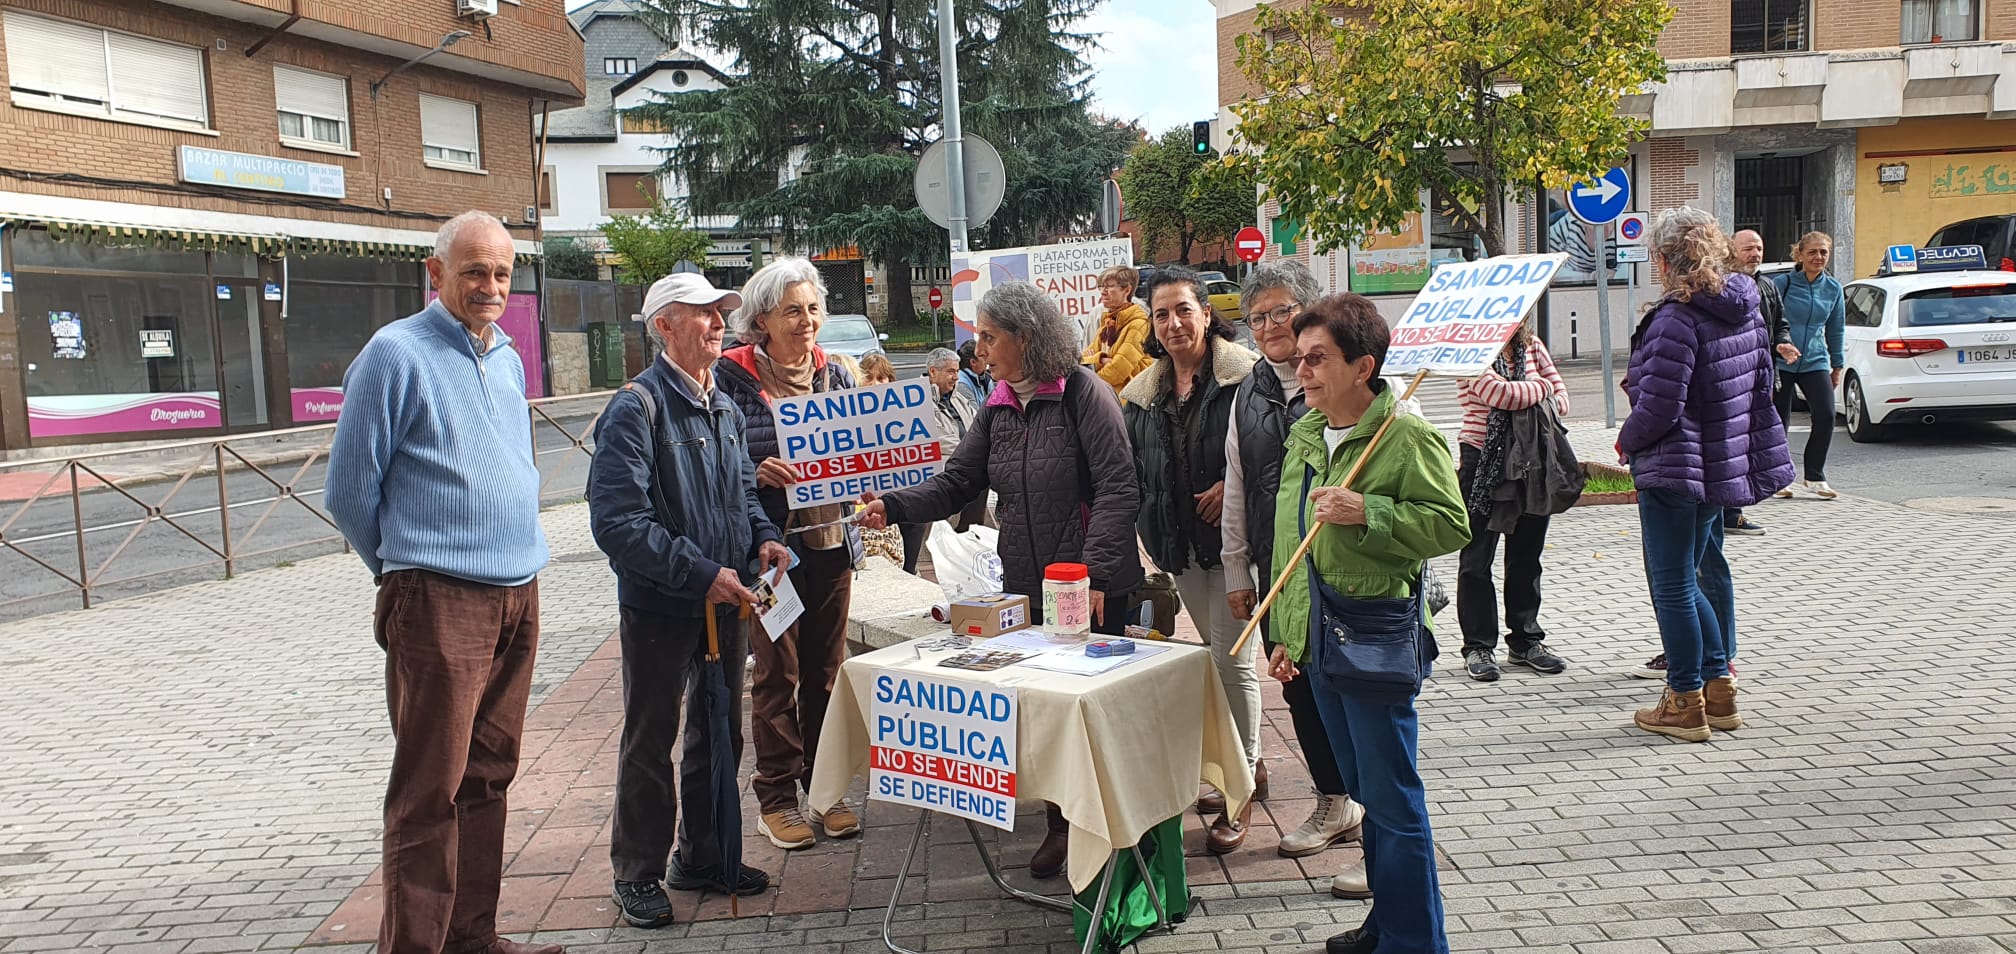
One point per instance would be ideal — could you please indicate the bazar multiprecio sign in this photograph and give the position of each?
(238, 170)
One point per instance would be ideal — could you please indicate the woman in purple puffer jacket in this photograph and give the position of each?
(1702, 435)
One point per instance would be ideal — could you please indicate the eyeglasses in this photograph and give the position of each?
(1278, 316)
(1313, 359)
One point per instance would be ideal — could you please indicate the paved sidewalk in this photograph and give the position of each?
(200, 770)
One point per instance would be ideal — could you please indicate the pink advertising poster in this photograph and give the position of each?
(75, 415)
(521, 322)
(317, 404)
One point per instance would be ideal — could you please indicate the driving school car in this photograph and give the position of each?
(1937, 344)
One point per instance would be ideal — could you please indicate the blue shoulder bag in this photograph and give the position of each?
(1365, 647)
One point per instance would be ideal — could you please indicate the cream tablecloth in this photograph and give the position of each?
(1119, 752)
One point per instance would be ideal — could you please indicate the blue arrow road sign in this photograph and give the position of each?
(1602, 201)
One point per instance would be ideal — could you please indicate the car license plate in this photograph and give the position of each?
(1986, 355)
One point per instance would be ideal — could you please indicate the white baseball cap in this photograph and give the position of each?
(687, 288)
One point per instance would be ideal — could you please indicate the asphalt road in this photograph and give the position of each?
(1923, 467)
(124, 563)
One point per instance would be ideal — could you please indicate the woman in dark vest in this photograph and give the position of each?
(1177, 408)
(1267, 402)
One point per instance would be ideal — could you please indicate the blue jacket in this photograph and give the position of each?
(1816, 313)
(432, 464)
(707, 483)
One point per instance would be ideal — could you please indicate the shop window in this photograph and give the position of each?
(1941, 21)
(629, 191)
(619, 65)
(86, 70)
(448, 132)
(106, 349)
(314, 108)
(334, 306)
(1769, 26)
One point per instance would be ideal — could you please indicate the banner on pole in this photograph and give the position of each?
(1466, 313)
(840, 443)
(1068, 272)
(944, 746)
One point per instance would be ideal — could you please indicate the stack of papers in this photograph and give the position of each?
(1066, 654)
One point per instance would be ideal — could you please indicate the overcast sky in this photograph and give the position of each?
(1157, 63)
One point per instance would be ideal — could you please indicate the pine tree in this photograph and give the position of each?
(845, 95)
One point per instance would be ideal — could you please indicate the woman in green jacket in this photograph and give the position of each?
(1404, 508)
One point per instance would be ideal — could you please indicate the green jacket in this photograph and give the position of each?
(1413, 511)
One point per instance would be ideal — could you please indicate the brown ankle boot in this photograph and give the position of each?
(1229, 832)
(1048, 860)
(1681, 715)
(1720, 701)
(1260, 780)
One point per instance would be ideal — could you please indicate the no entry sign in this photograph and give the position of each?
(936, 298)
(1249, 245)
(1462, 319)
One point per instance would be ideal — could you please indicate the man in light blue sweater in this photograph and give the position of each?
(432, 480)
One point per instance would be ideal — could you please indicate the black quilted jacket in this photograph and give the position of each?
(1065, 475)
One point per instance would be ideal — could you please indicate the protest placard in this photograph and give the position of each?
(944, 746)
(1467, 311)
(1068, 272)
(840, 443)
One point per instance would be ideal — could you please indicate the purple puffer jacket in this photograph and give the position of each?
(1702, 423)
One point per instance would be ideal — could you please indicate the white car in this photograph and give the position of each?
(1937, 346)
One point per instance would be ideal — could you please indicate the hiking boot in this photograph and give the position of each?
(643, 903)
(1537, 658)
(1482, 664)
(685, 877)
(1655, 668)
(839, 821)
(1353, 883)
(1719, 699)
(1228, 833)
(1337, 819)
(1678, 714)
(1048, 860)
(786, 829)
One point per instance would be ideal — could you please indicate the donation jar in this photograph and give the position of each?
(1067, 599)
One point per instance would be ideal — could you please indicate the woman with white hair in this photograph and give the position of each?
(1051, 443)
(783, 306)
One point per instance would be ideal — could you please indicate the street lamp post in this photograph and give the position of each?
(955, 141)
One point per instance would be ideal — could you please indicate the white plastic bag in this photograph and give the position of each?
(966, 563)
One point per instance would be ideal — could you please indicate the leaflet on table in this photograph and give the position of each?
(1030, 641)
(1079, 664)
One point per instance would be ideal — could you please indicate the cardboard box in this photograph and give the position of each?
(986, 617)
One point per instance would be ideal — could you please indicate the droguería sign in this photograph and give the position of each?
(943, 745)
(840, 443)
(1466, 313)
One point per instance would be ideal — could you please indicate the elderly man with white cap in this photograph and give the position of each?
(672, 500)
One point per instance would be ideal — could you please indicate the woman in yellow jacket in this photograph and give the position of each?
(1118, 350)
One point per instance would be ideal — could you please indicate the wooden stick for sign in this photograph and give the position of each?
(1293, 564)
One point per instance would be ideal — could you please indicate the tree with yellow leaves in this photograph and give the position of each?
(1365, 104)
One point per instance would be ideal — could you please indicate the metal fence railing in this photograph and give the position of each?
(113, 523)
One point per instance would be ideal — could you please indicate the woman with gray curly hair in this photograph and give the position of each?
(1051, 443)
(783, 306)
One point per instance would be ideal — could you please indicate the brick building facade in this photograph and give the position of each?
(1779, 115)
(209, 206)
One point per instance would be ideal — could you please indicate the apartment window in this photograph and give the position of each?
(77, 68)
(314, 107)
(630, 191)
(1941, 21)
(632, 122)
(1769, 26)
(448, 132)
(619, 65)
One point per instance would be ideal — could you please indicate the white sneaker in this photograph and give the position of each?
(1335, 820)
(1784, 493)
(1821, 490)
(1352, 884)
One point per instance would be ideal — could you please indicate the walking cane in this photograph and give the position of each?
(1288, 568)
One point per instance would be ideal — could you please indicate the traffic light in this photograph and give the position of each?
(1200, 137)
